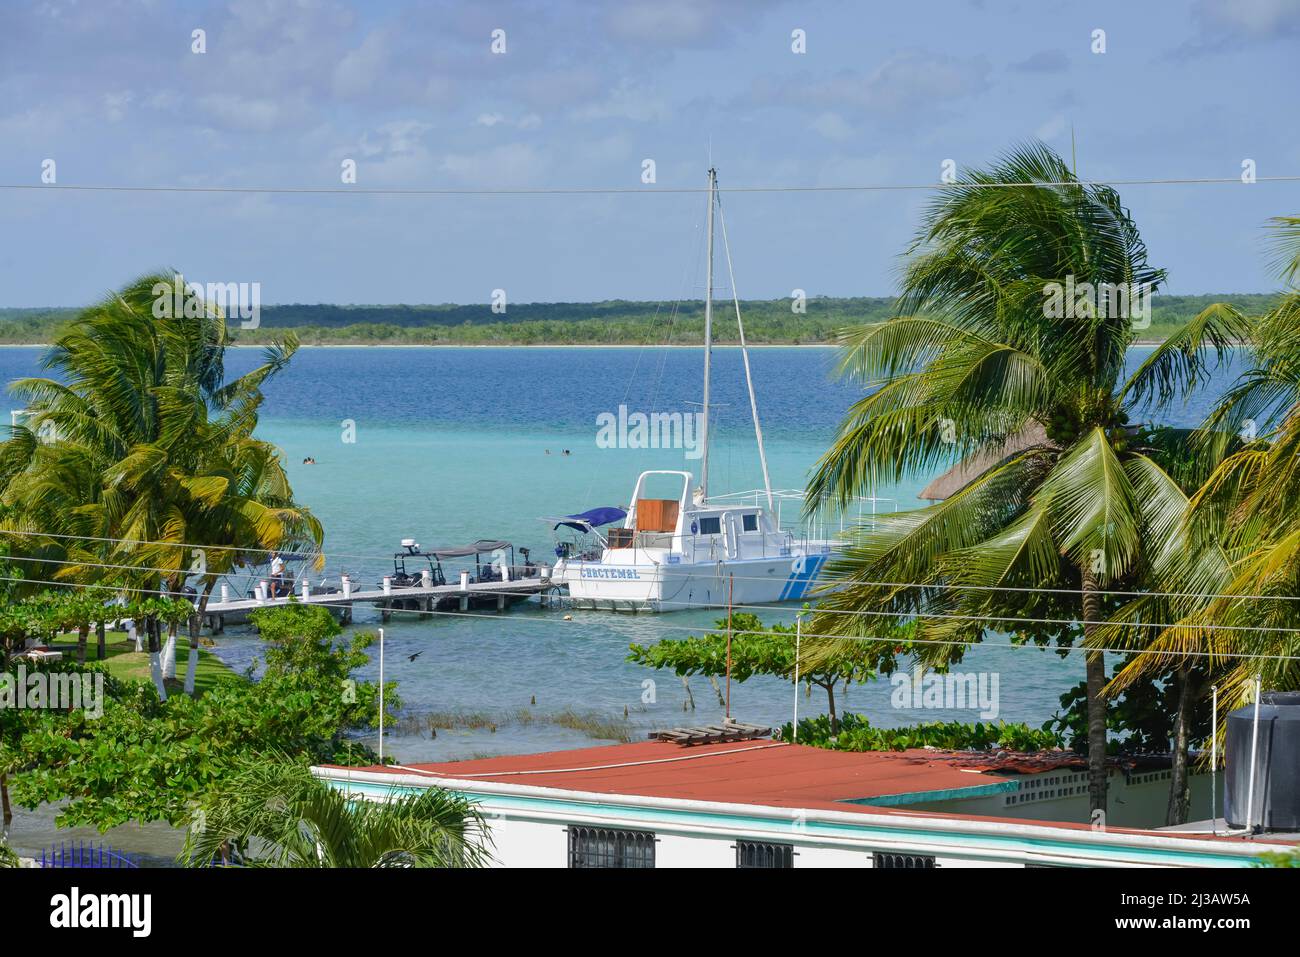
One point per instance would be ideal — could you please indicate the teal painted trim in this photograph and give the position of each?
(925, 797)
(794, 828)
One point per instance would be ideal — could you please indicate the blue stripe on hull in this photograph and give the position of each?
(797, 585)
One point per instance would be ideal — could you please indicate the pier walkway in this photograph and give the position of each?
(458, 596)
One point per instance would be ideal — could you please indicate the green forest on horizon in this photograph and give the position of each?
(612, 322)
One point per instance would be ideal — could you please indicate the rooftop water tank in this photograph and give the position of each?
(1277, 764)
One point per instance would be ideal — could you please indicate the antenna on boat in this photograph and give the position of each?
(703, 492)
(744, 355)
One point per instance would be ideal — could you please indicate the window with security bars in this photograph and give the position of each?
(610, 847)
(762, 854)
(905, 861)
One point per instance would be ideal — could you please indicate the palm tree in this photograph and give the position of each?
(276, 814)
(980, 367)
(1240, 535)
(140, 450)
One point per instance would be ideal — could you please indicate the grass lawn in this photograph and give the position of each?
(123, 661)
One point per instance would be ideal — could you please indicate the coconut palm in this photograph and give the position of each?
(1240, 537)
(276, 814)
(140, 450)
(989, 364)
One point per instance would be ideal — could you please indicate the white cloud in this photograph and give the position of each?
(1050, 130)
(902, 85)
(361, 68)
(115, 104)
(832, 126)
(242, 113)
(529, 121)
(627, 101)
(1257, 18)
(512, 164)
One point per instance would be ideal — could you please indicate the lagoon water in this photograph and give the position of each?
(451, 446)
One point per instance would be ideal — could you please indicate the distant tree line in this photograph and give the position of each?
(612, 322)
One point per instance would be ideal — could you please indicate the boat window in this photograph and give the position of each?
(750, 521)
(710, 525)
(752, 854)
(591, 847)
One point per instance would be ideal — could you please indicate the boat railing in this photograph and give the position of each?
(824, 524)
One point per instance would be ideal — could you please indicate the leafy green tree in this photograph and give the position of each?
(855, 733)
(760, 650)
(1236, 538)
(978, 368)
(144, 454)
(276, 814)
(147, 759)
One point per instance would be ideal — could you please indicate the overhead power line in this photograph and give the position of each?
(385, 558)
(894, 641)
(628, 190)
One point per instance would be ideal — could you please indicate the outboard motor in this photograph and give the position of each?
(1276, 795)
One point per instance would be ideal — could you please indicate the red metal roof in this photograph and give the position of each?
(765, 773)
(750, 772)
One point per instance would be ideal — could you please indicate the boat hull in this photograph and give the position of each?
(669, 586)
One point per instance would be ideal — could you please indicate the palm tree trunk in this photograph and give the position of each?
(101, 641)
(196, 626)
(83, 637)
(5, 810)
(169, 652)
(1096, 675)
(155, 657)
(1180, 797)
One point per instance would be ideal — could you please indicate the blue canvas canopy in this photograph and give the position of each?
(592, 518)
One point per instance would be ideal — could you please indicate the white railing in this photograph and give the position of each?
(861, 509)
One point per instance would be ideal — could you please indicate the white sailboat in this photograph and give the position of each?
(688, 549)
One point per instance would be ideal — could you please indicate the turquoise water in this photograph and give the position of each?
(450, 446)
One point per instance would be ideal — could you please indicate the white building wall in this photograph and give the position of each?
(820, 855)
(519, 842)
(684, 850)
(523, 843)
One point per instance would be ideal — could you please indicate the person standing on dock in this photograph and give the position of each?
(277, 575)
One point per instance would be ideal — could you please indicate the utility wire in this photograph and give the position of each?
(721, 631)
(383, 559)
(628, 190)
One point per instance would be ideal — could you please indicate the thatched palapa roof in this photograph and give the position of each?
(973, 466)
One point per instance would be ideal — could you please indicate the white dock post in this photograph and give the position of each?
(225, 593)
(464, 580)
(464, 590)
(306, 588)
(388, 585)
(260, 591)
(347, 587)
(505, 572)
(426, 578)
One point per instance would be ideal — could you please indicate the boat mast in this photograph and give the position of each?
(708, 341)
(744, 354)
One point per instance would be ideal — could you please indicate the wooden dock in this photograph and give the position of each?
(490, 595)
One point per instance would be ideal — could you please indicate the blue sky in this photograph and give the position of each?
(583, 94)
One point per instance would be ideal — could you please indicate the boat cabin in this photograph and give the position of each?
(694, 530)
